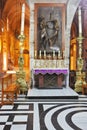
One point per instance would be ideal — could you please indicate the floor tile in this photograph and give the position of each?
(20, 118)
(5, 107)
(8, 123)
(1, 127)
(3, 118)
(18, 127)
(23, 107)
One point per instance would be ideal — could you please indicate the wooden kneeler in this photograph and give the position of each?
(9, 92)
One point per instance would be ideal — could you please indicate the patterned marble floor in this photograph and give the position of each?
(27, 114)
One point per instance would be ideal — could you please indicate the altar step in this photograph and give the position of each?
(64, 93)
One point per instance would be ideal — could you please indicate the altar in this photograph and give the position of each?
(49, 77)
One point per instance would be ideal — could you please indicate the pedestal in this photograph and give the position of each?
(20, 81)
(79, 82)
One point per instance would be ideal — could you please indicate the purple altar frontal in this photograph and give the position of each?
(50, 71)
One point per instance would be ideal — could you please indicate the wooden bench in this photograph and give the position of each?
(9, 90)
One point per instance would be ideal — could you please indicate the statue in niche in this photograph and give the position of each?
(48, 32)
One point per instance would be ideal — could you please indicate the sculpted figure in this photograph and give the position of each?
(48, 32)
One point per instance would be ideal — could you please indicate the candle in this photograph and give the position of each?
(59, 53)
(21, 50)
(63, 54)
(53, 53)
(7, 24)
(40, 53)
(22, 19)
(35, 53)
(44, 53)
(79, 20)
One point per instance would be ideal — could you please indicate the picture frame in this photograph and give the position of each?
(49, 29)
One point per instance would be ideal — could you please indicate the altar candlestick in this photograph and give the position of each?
(80, 20)
(22, 19)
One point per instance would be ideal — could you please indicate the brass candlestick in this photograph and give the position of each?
(79, 73)
(20, 74)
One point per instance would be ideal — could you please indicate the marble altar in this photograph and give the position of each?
(49, 77)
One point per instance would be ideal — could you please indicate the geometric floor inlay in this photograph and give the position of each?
(44, 116)
(16, 117)
(71, 116)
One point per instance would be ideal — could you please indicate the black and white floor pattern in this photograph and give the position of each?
(64, 116)
(15, 117)
(44, 115)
